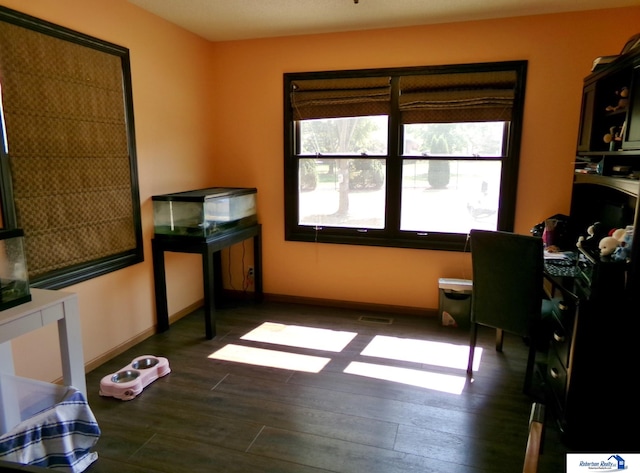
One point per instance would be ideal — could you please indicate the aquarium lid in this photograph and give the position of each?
(199, 195)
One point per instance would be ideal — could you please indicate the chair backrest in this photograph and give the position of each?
(507, 280)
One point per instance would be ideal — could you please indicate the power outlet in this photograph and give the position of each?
(249, 279)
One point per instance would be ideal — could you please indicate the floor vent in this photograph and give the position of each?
(376, 320)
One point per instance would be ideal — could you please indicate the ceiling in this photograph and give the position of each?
(226, 20)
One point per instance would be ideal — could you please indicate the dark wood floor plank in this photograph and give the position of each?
(215, 415)
(372, 407)
(108, 465)
(187, 421)
(175, 455)
(361, 385)
(461, 449)
(315, 421)
(340, 457)
(234, 419)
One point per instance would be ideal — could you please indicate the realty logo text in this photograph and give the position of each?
(613, 463)
(603, 462)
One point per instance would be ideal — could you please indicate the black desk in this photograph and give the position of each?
(211, 270)
(593, 341)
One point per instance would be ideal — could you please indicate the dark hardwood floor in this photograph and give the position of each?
(212, 415)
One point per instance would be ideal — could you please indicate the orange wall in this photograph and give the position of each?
(560, 50)
(210, 114)
(171, 91)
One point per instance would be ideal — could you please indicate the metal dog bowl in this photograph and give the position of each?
(144, 363)
(125, 376)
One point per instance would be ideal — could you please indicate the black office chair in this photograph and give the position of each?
(508, 291)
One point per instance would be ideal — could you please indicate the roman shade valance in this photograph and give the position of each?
(457, 97)
(342, 97)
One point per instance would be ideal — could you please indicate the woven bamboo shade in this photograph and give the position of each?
(342, 97)
(457, 97)
(68, 148)
(428, 98)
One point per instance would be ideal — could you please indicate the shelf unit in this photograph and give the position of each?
(607, 178)
(592, 350)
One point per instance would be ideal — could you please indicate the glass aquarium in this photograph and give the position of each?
(204, 213)
(14, 280)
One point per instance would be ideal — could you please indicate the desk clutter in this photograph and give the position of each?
(127, 383)
(561, 263)
(55, 428)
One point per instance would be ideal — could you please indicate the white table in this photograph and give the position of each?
(45, 307)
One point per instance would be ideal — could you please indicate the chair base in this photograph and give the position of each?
(528, 387)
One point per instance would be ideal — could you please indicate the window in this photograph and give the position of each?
(412, 157)
(68, 173)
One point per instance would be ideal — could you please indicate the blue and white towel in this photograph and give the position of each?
(60, 437)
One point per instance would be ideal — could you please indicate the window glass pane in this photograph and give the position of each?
(454, 139)
(352, 135)
(450, 196)
(342, 192)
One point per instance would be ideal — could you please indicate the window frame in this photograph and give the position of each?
(76, 273)
(391, 235)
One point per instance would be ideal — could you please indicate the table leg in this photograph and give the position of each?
(6, 358)
(211, 269)
(208, 277)
(218, 290)
(10, 410)
(160, 285)
(70, 336)
(257, 263)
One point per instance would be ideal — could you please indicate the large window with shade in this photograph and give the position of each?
(411, 157)
(68, 172)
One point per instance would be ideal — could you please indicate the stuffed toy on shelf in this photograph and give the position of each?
(595, 233)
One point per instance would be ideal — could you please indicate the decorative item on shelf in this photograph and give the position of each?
(595, 232)
(14, 280)
(600, 62)
(608, 245)
(620, 170)
(631, 44)
(585, 166)
(614, 137)
(623, 251)
(623, 100)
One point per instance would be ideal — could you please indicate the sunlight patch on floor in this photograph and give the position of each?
(300, 337)
(447, 355)
(423, 352)
(422, 379)
(270, 358)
